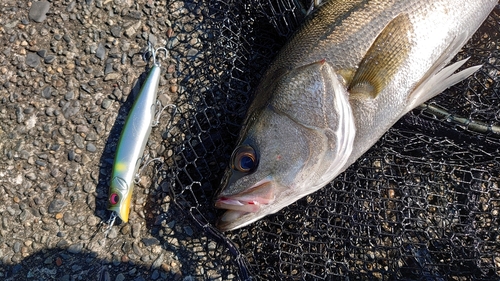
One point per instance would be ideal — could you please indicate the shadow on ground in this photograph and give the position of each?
(60, 264)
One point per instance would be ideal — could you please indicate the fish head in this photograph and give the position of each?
(120, 196)
(265, 172)
(286, 147)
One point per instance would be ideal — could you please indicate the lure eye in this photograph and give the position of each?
(244, 159)
(114, 198)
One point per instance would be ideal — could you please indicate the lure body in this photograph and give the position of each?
(131, 145)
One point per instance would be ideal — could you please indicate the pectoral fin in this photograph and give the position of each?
(383, 59)
(437, 80)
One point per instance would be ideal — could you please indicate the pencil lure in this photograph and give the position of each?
(132, 143)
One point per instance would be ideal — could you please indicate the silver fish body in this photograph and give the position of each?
(131, 145)
(352, 70)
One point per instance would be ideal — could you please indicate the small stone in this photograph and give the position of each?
(170, 32)
(135, 15)
(86, 88)
(75, 248)
(67, 38)
(17, 247)
(137, 250)
(71, 6)
(59, 216)
(116, 31)
(82, 129)
(69, 95)
(125, 229)
(49, 59)
(112, 76)
(132, 29)
(47, 92)
(59, 261)
(92, 220)
(42, 53)
(120, 277)
(106, 103)
(88, 187)
(32, 60)
(158, 262)
(78, 141)
(100, 52)
(70, 219)
(108, 68)
(91, 147)
(165, 267)
(136, 230)
(62, 244)
(173, 88)
(44, 186)
(152, 39)
(192, 53)
(38, 11)
(49, 111)
(56, 206)
(150, 241)
(70, 108)
(172, 43)
(113, 233)
(71, 155)
(55, 147)
(155, 274)
(31, 176)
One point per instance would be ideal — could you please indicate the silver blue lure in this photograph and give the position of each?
(132, 143)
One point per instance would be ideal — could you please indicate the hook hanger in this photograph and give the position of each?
(154, 53)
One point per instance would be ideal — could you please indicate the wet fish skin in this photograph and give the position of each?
(335, 88)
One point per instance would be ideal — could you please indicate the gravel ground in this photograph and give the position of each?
(68, 73)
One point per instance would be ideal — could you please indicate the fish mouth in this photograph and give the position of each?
(248, 201)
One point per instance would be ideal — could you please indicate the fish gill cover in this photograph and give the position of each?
(422, 204)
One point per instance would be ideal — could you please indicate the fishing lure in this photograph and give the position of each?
(132, 142)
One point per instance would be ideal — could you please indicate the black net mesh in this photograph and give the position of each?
(422, 204)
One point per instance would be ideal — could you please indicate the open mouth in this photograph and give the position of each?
(248, 201)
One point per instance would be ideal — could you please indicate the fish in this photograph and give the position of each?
(131, 144)
(343, 79)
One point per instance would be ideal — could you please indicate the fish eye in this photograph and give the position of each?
(244, 159)
(114, 198)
